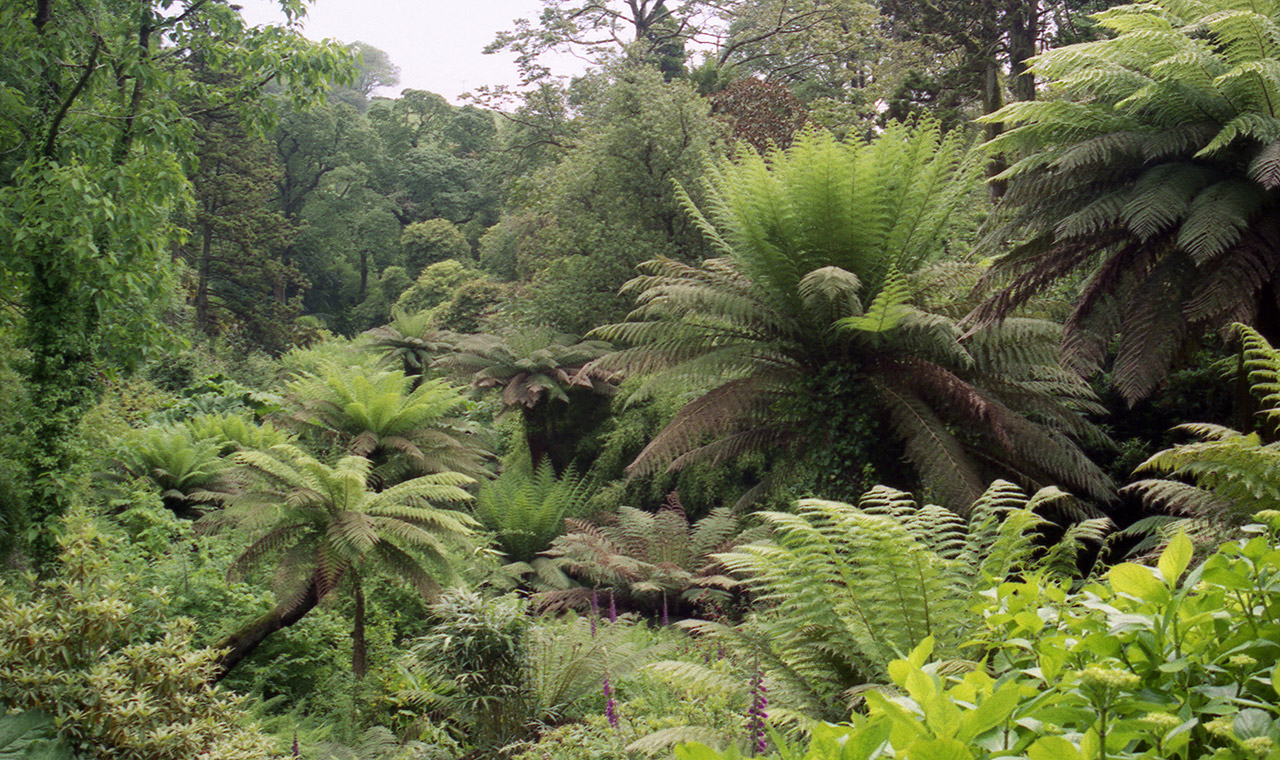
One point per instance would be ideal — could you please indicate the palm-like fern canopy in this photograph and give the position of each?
(322, 521)
(807, 316)
(320, 525)
(405, 430)
(1152, 171)
(411, 340)
(529, 365)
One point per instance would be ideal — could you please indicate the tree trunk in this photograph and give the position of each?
(1024, 25)
(241, 644)
(202, 281)
(539, 435)
(359, 651)
(364, 276)
(992, 101)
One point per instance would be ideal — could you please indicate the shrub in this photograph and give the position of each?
(1154, 663)
(120, 681)
(432, 241)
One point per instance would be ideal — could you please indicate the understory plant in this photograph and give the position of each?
(1149, 663)
(842, 590)
(119, 679)
(496, 677)
(525, 506)
(1216, 483)
(655, 561)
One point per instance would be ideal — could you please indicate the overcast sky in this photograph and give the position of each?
(436, 43)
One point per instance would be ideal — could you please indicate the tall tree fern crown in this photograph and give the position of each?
(863, 207)
(806, 332)
(405, 427)
(1153, 171)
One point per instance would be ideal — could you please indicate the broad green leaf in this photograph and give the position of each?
(938, 749)
(1175, 558)
(1251, 723)
(699, 751)
(1052, 747)
(993, 711)
(1137, 581)
(31, 735)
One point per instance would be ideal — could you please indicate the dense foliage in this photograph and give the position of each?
(705, 403)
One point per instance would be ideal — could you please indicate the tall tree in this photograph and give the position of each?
(95, 133)
(611, 203)
(658, 31)
(238, 237)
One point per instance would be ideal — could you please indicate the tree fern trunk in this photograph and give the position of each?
(241, 644)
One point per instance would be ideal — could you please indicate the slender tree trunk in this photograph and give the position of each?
(359, 651)
(1024, 26)
(241, 644)
(364, 275)
(202, 281)
(992, 101)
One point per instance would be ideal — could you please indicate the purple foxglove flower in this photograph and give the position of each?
(610, 706)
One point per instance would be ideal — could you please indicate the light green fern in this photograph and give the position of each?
(843, 590)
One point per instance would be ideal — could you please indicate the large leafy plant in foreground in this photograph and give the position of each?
(805, 335)
(843, 590)
(1153, 663)
(1153, 172)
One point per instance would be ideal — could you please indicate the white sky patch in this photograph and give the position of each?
(437, 44)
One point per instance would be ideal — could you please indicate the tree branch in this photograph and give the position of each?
(90, 67)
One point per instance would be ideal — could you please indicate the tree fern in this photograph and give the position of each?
(843, 590)
(525, 507)
(809, 318)
(545, 375)
(190, 470)
(320, 527)
(1224, 476)
(405, 429)
(655, 561)
(1154, 175)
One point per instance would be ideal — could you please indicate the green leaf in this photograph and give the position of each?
(700, 751)
(938, 749)
(31, 736)
(993, 711)
(1251, 723)
(1053, 748)
(1137, 581)
(1175, 558)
